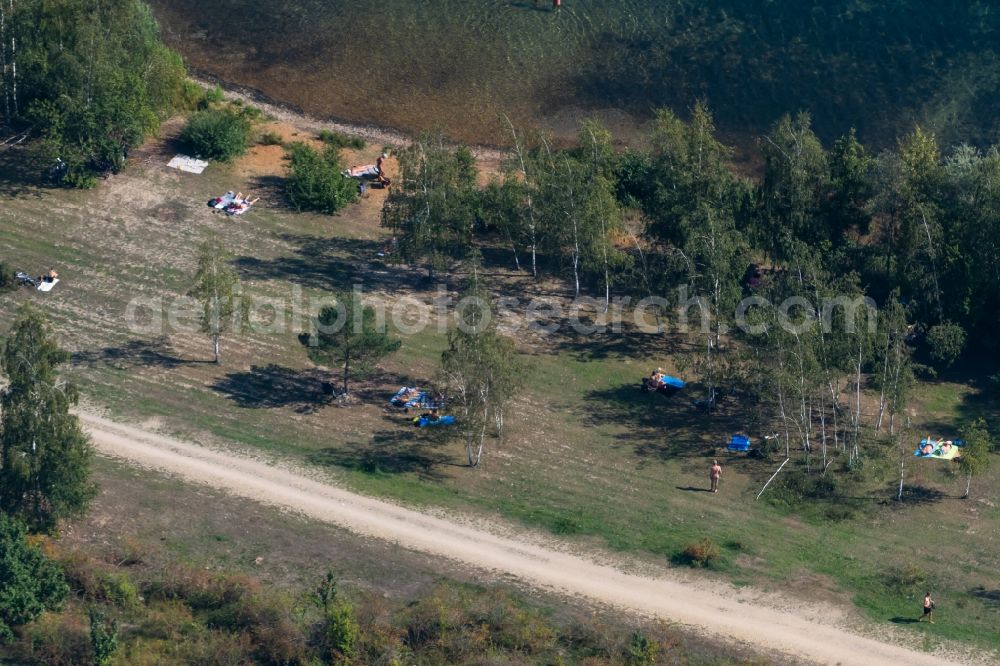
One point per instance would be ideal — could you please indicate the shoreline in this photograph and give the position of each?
(289, 113)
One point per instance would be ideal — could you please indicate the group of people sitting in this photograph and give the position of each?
(941, 448)
(660, 381)
(233, 204)
(654, 381)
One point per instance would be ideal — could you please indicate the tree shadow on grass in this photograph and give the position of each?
(133, 354)
(330, 264)
(391, 452)
(660, 426)
(919, 495)
(991, 598)
(19, 174)
(273, 386)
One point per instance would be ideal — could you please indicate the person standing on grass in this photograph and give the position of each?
(556, 4)
(714, 475)
(928, 608)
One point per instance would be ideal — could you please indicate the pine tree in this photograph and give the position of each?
(347, 335)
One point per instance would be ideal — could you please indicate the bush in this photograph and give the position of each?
(191, 96)
(946, 343)
(703, 553)
(119, 590)
(219, 134)
(7, 282)
(905, 578)
(315, 181)
(30, 581)
(641, 650)
(270, 139)
(214, 95)
(338, 140)
(340, 630)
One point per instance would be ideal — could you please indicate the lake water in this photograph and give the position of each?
(416, 64)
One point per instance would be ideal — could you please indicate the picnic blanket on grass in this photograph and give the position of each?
(939, 449)
(362, 171)
(673, 382)
(739, 443)
(429, 421)
(47, 286)
(187, 164)
(409, 397)
(231, 204)
(221, 202)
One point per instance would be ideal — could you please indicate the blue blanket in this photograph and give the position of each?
(739, 443)
(667, 380)
(427, 421)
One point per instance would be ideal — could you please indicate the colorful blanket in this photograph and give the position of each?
(409, 397)
(940, 449)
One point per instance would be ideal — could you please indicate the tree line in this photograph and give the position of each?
(906, 239)
(88, 79)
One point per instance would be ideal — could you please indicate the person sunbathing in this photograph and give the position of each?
(51, 276)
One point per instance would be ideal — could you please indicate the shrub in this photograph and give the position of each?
(905, 577)
(220, 134)
(703, 553)
(252, 113)
(270, 138)
(119, 590)
(946, 343)
(339, 140)
(56, 639)
(191, 96)
(315, 181)
(31, 582)
(7, 282)
(103, 637)
(341, 630)
(641, 650)
(214, 95)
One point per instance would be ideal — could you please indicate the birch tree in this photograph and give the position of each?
(220, 294)
(976, 453)
(45, 456)
(480, 370)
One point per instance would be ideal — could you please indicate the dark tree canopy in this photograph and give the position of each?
(90, 77)
(29, 582)
(45, 456)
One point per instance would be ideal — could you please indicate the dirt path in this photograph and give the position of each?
(739, 615)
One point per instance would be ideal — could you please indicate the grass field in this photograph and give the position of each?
(459, 65)
(586, 454)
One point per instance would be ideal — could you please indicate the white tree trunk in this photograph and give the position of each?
(899, 494)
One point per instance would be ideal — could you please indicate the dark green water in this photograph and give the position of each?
(876, 66)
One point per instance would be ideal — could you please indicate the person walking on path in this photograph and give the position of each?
(928, 608)
(714, 475)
